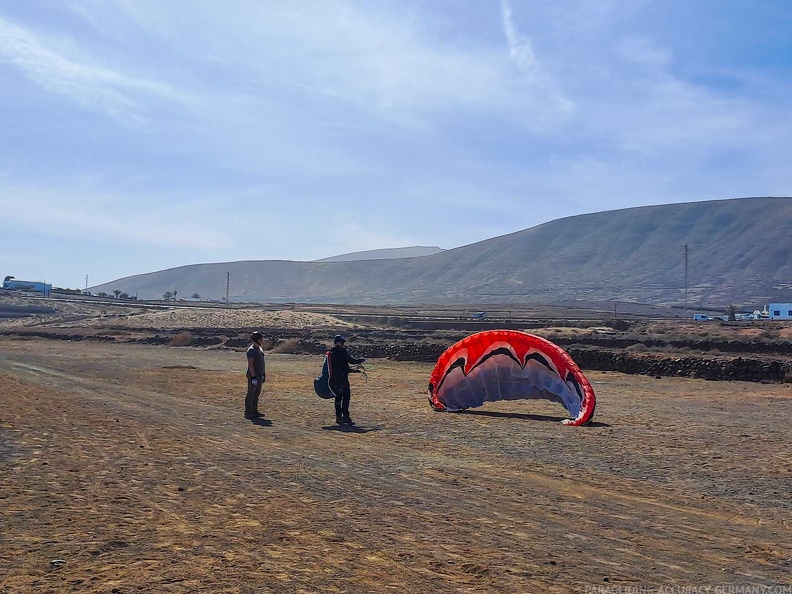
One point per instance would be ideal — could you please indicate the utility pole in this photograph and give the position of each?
(228, 285)
(86, 282)
(686, 279)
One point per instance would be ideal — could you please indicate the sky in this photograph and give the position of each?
(140, 135)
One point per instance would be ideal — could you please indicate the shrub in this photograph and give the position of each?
(181, 339)
(291, 346)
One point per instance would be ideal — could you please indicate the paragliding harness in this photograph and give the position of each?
(322, 381)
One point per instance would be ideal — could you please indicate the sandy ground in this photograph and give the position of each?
(62, 313)
(129, 468)
(214, 318)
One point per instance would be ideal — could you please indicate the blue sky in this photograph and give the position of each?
(139, 135)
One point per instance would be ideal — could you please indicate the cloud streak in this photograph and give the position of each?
(91, 86)
(524, 58)
(520, 47)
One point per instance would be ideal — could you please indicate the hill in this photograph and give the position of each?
(739, 251)
(385, 254)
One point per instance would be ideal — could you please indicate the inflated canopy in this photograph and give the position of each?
(509, 365)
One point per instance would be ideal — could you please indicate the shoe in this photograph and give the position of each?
(339, 420)
(348, 421)
(258, 414)
(250, 415)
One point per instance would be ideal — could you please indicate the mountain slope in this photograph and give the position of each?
(385, 254)
(739, 251)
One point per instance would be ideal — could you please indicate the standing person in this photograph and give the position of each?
(339, 378)
(256, 376)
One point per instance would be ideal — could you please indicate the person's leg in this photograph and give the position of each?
(338, 404)
(256, 395)
(251, 398)
(345, 405)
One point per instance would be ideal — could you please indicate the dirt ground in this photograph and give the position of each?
(130, 468)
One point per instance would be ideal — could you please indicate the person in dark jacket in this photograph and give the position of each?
(339, 369)
(256, 376)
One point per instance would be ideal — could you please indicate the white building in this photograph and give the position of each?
(780, 311)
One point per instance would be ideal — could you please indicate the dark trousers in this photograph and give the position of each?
(252, 398)
(343, 393)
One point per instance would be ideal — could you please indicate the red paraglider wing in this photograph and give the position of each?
(509, 365)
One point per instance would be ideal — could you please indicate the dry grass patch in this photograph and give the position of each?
(181, 339)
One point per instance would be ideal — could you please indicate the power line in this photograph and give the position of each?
(686, 277)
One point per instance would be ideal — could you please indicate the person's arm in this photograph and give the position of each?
(251, 366)
(351, 359)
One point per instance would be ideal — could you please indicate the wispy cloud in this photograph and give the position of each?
(91, 86)
(522, 54)
(385, 63)
(520, 47)
(123, 18)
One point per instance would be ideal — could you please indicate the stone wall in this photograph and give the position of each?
(746, 369)
(723, 346)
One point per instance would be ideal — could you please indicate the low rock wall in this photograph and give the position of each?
(723, 346)
(716, 368)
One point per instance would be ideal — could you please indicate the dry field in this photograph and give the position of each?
(129, 468)
(65, 313)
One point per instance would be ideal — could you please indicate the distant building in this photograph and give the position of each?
(28, 286)
(780, 311)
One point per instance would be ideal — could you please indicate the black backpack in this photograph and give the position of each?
(322, 381)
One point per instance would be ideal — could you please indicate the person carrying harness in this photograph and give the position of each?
(339, 370)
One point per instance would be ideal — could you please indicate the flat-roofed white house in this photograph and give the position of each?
(780, 311)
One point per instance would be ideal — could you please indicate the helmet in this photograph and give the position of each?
(339, 338)
(256, 336)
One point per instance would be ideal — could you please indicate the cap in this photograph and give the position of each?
(339, 338)
(256, 336)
